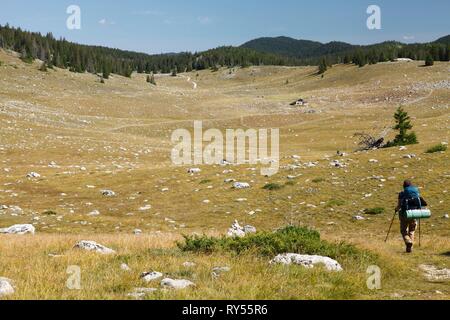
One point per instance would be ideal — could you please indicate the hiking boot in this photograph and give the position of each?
(409, 247)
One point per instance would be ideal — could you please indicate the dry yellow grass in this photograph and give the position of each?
(120, 133)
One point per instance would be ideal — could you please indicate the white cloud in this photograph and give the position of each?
(149, 13)
(204, 20)
(409, 37)
(105, 22)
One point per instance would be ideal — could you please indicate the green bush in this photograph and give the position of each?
(437, 148)
(375, 211)
(290, 239)
(335, 203)
(205, 181)
(318, 180)
(50, 213)
(272, 186)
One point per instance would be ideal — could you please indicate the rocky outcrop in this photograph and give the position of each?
(307, 261)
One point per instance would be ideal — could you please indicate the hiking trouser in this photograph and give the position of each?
(407, 229)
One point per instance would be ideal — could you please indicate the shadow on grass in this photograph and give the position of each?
(446, 254)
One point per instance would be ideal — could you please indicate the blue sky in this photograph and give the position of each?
(156, 26)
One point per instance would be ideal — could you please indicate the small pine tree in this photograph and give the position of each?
(403, 125)
(323, 67)
(148, 79)
(429, 61)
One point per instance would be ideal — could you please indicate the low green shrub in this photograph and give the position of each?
(437, 148)
(335, 203)
(375, 211)
(272, 186)
(290, 239)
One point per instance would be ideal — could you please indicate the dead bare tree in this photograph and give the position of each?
(370, 142)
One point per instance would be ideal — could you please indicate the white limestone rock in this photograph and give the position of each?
(236, 231)
(140, 293)
(6, 288)
(176, 284)
(33, 175)
(241, 185)
(108, 193)
(19, 229)
(125, 267)
(307, 261)
(94, 246)
(151, 276)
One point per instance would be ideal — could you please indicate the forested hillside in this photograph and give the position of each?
(265, 51)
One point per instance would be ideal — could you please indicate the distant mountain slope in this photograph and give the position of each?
(284, 46)
(444, 40)
(310, 51)
(296, 48)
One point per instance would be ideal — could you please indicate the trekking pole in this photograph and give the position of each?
(420, 234)
(390, 228)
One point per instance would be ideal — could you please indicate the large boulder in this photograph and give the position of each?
(6, 287)
(176, 284)
(20, 229)
(307, 261)
(93, 246)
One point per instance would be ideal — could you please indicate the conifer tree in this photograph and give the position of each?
(403, 125)
(429, 61)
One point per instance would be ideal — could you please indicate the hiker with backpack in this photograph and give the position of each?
(409, 200)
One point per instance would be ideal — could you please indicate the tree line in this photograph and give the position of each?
(101, 60)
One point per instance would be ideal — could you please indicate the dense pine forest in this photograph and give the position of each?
(266, 51)
(94, 59)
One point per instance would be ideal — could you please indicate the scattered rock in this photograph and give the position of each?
(137, 232)
(108, 193)
(241, 185)
(358, 218)
(6, 287)
(94, 213)
(194, 170)
(33, 175)
(176, 284)
(19, 229)
(93, 246)
(125, 267)
(151, 276)
(446, 216)
(140, 293)
(237, 231)
(217, 271)
(189, 264)
(433, 273)
(307, 261)
(145, 208)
